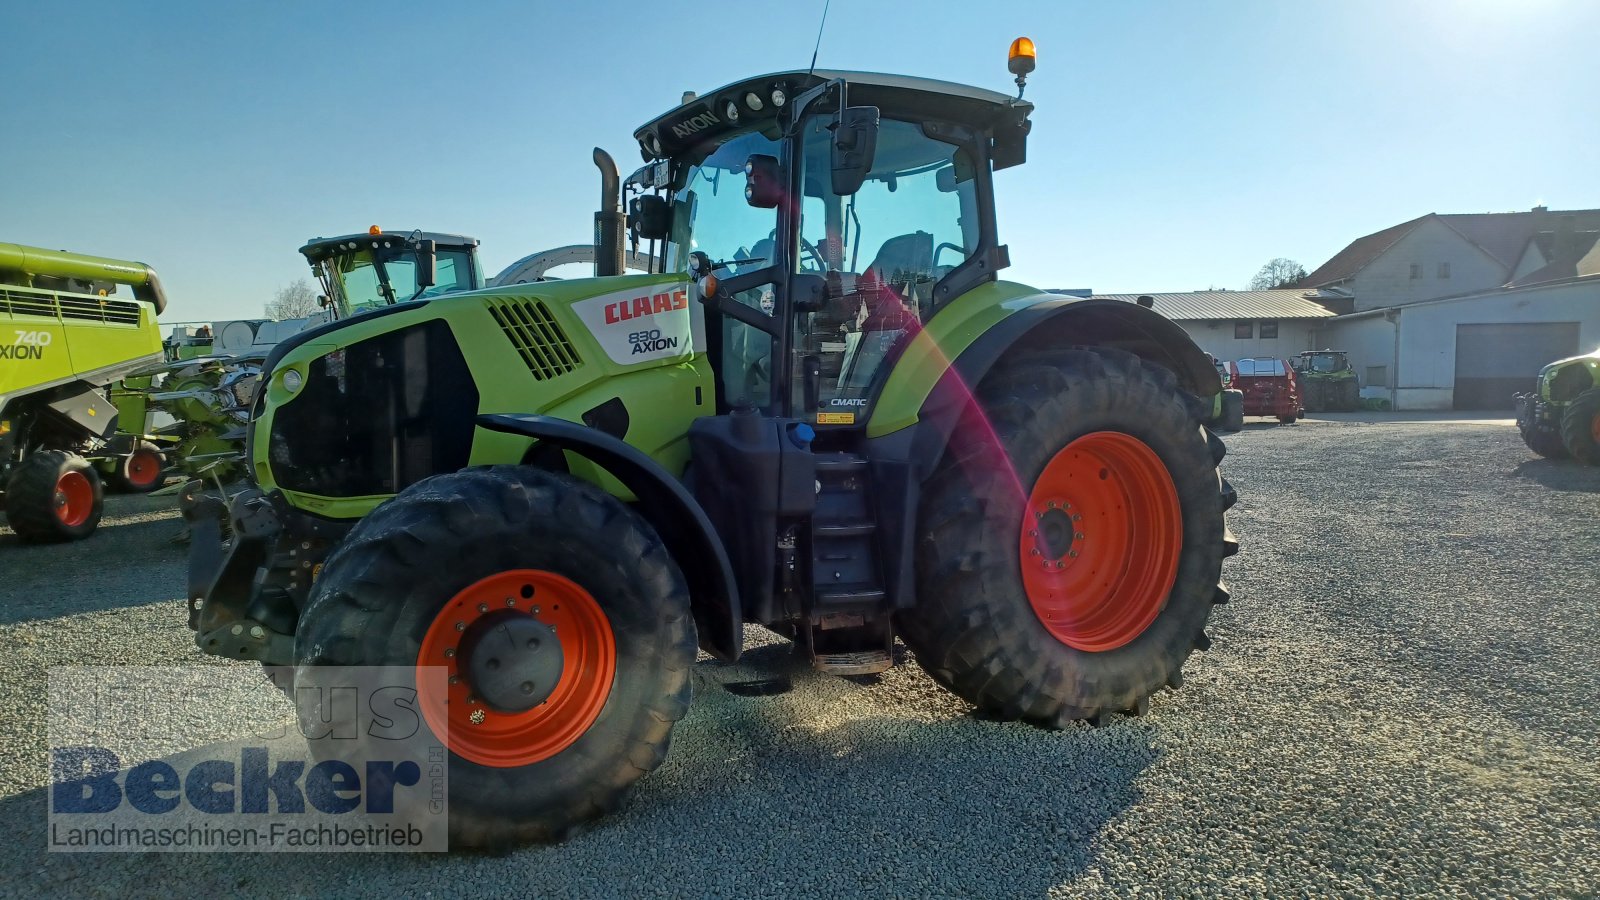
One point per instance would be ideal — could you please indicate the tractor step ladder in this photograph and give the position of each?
(849, 626)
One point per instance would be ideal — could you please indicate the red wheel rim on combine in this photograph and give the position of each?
(74, 499)
(531, 659)
(1101, 537)
(144, 467)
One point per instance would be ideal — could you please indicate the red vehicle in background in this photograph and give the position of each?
(1269, 388)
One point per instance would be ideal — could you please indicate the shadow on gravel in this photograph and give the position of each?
(121, 565)
(1561, 475)
(827, 790)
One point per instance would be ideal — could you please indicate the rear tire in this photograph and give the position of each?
(1580, 427)
(1287, 420)
(140, 471)
(1349, 395)
(54, 495)
(977, 629)
(403, 571)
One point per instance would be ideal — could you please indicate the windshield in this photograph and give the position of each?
(710, 213)
(1325, 362)
(356, 285)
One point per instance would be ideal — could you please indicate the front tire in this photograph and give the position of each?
(140, 471)
(1067, 570)
(464, 557)
(1580, 427)
(54, 495)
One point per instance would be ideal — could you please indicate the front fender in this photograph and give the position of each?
(670, 510)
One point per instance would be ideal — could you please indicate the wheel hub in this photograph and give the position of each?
(512, 661)
(1056, 533)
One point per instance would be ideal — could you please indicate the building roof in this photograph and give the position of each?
(1503, 236)
(1361, 251)
(1295, 303)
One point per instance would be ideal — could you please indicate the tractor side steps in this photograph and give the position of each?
(849, 629)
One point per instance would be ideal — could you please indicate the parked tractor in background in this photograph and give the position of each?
(66, 334)
(821, 411)
(1327, 381)
(209, 383)
(1269, 387)
(1561, 415)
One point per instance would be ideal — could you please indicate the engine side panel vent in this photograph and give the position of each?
(537, 335)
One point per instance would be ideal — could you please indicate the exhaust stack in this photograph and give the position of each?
(609, 221)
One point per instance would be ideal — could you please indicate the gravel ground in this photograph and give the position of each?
(1400, 699)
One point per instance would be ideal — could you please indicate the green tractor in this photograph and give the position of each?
(822, 412)
(210, 382)
(65, 336)
(1328, 382)
(1561, 416)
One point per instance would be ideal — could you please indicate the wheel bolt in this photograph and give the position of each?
(449, 652)
(1078, 536)
(461, 626)
(1077, 517)
(477, 717)
(510, 602)
(1072, 553)
(483, 607)
(1034, 551)
(455, 679)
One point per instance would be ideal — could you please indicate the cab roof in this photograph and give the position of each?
(690, 123)
(321, 248)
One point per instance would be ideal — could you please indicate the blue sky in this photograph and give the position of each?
(1176, 145)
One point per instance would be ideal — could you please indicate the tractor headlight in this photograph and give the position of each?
(779, 97)
(753, 100)
(292, 381)
(732, 111)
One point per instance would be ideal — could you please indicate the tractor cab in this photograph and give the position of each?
(358, 272)
(825, 217)
(1322, 362)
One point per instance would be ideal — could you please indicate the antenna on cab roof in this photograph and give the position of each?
(820, 26)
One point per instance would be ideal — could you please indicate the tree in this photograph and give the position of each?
(292, 301)
(1280, 273)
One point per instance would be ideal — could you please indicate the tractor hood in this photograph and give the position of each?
(353, 411)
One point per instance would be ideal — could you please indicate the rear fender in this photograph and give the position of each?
(670, 510)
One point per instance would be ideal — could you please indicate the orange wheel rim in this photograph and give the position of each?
(74, 499)
(478, 731)
(1594, 428)
(144, 468)
(1100, 542)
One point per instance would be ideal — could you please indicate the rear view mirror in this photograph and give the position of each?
(763, 181)
(650, 216)
(427, 265)
(855, 142)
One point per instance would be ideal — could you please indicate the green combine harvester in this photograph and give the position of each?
(1328, 382)
(67, 332)
(822, 411)
(1561, 416)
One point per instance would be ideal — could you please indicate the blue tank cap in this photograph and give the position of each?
(801, 434)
